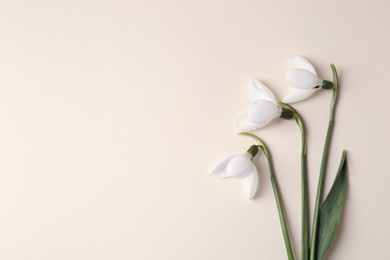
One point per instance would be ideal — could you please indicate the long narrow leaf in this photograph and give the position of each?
(331, 210)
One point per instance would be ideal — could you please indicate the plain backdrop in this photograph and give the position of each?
(113, 112)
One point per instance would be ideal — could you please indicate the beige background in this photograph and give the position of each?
(113, 112)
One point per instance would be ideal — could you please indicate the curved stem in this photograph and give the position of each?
(304, 186)
(278, 198)
(324, 162)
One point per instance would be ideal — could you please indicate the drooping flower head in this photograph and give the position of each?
(263, 109)
(240, 167)
(303, 77)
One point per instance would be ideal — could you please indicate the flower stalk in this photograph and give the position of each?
(304, 186)
(324, 163)
(278, 197)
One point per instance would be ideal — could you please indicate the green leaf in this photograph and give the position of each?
(331, 210)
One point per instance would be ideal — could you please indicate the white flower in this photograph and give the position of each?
(263, 109)
(240, 167)
(303, 77)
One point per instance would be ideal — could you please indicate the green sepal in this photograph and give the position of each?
(326, 84)
(287, 113)
(253, 150)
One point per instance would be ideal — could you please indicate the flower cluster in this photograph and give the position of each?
(262, 110)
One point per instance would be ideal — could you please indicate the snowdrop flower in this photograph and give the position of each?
(240, 167)
(303, 77)
(263, 109)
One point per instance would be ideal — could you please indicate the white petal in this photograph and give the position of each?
(260, 91)
(299, 62)
(298, 94)
(262, 111)
(250, 183)
(240, 166)
(219, 169)
(301, 78)
(243, 124)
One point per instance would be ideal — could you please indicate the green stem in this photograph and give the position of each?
(278, 198)
(324, 163)
(304, 186)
